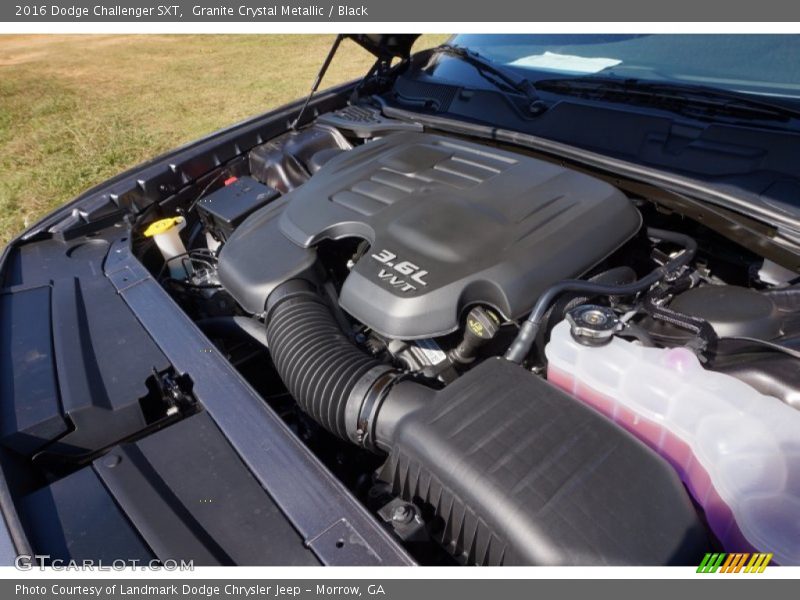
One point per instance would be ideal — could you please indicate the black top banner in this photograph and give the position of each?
(443, 11)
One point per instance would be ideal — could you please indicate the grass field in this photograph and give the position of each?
(75, 110)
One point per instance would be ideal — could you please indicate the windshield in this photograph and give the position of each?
(756, 64)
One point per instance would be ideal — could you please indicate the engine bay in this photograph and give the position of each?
(436, 319)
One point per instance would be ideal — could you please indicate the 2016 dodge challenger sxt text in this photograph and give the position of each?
(512, 300)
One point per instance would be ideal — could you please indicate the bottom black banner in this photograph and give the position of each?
(388, 589)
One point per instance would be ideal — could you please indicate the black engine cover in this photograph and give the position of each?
(450, 224)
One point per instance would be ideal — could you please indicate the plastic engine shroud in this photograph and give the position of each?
(450, 224)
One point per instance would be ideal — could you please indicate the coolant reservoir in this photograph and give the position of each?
(737, 450)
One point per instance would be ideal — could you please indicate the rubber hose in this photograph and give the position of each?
(522, 344)
(317, 362)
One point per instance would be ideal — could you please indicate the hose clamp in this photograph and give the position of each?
(365, 401)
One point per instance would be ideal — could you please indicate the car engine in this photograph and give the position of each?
(448, 225)
(487, 347)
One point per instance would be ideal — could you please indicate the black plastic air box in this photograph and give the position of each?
(516, 472)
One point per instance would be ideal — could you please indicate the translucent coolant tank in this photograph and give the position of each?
(737, 450)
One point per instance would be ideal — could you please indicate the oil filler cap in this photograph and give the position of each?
(592, 325)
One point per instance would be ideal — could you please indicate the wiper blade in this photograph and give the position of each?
(491, 71)
(675, 96)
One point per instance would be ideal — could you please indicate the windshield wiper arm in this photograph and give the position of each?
(490, 71)
(709, 99)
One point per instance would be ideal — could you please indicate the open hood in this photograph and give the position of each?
(385, 45)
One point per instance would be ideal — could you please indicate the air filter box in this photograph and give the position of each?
(517, 472)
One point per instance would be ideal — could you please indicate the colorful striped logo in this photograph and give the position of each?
(735, 563)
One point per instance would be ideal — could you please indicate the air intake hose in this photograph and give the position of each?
(333, 381)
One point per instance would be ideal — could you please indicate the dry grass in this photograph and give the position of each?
(75, 110)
